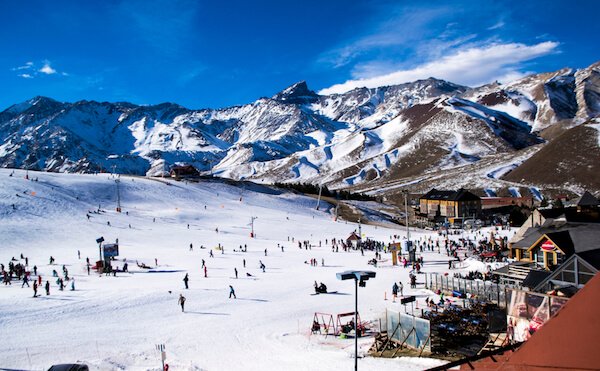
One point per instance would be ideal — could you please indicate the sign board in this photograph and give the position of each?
(110, 250)
(407, 246)
(548, 246)
(407, 300)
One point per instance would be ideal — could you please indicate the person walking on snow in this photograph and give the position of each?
(232, 292)
(401, 288)
(25, 281)
(181, 302)
(72, 284)
(47, 287)
(185, 281)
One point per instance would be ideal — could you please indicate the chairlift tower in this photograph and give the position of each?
(117, 181)
(319, 198)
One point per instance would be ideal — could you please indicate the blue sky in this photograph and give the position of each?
(219, 53)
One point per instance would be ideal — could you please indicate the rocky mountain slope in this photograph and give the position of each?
(418, 135)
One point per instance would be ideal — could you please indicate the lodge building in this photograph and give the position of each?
(438, 205)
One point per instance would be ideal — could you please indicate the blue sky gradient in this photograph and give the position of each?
(214, 54)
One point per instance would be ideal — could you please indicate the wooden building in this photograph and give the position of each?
(438, 205)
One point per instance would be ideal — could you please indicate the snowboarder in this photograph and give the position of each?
(185, 281)
(47, 287)
(231, 292)
(181, 301)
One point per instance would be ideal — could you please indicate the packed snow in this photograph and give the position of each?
(115, 322)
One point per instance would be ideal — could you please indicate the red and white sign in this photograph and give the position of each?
(548, 246)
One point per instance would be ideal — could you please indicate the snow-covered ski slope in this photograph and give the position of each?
(114, 323)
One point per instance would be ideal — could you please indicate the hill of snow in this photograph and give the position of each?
(114, 323)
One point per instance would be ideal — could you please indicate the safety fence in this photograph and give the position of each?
(408, 330)
(482, 290)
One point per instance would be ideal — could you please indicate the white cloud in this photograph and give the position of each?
(498, 25)
(473, 66)
(47, 69)
(26, 76)
(26, 66)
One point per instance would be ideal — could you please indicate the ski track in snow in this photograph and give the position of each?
(114, 323)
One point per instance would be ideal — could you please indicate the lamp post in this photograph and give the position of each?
(360, 278)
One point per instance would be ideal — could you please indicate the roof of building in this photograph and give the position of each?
(459, 195)
(570, 237)
(587, 199)
(534, 277)
(568, 341)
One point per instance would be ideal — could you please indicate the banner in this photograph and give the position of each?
(110, 250)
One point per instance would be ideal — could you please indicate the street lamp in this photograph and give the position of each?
(360, 278)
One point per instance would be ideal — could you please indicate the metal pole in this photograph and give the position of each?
(100, 252)
(118, 196)
(319, 198)
(355, 324)
(406, 214)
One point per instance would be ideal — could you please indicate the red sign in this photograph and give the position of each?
(548, 246)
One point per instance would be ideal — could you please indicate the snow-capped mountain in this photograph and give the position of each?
(424, 133)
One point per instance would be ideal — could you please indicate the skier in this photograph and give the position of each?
(78, 254)
(203, 263)
(35, 287)
(25, 281)
(232, 292)
(185, 280)
(265, 252)
(236, 272)
(191, 246)
(262, 266)
(205, 275)
(210, 253)
(244, 263)
(181, 301)
(61, 284)
(35, 270)
(47, 287)
(73, 284)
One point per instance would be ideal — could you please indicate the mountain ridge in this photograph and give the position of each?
(361, 140)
